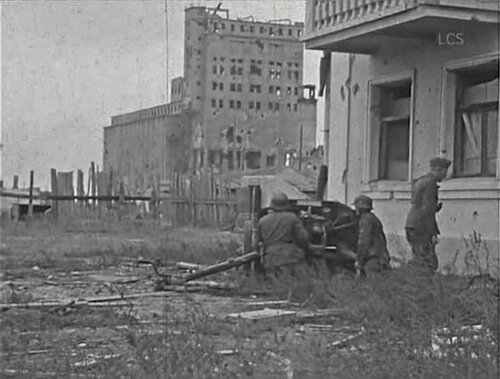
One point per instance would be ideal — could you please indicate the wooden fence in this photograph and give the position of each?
(179, 199)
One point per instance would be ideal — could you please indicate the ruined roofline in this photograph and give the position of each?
(170, 109)
(253, 21)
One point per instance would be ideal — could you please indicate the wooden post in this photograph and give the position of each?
(54, 191)
(30, 204)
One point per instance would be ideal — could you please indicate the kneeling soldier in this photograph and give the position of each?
(372, 254)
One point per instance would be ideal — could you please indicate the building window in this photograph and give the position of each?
(289, 107)
(242, 28)
(232, 27)
(271, 160)
(253, 159)
(221, 70)
(215, 70)
(278, 73)
(233, 70)
(299, 33)
(288, 90)
(221, 103)
(231, 104)
(223, 26)
(280, 32)
(390, 108)
(257, 105)
(214, 103)
(271, 32)
(214, 86)
(271, 63)
(240, 70)
(240, 60)
(251, 29)
(232, 87)
(250, 105)
(261, 30)
(221, 86)
(278, 91)
(238, 104)
(290, 74)
(476, 121)
(295, 107)
(297, 75)
(289, 32)
(240, 87)
(296, 91)
(279, 64)
(276, 106)
(271, 73)
(270, 106)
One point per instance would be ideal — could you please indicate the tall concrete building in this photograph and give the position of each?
(241, 105)
(245, 78)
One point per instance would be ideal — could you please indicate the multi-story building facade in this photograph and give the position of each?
(241, 105)
(407, 80)
(245, 78)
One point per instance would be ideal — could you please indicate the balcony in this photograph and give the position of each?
(359, 26)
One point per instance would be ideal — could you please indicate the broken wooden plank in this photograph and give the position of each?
(343, 341)
(188, 266)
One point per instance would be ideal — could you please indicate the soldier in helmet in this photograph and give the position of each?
(282, 236)
(421, 226)
(372, 254)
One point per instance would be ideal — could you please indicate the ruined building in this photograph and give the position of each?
(244, 77)
(241, 105)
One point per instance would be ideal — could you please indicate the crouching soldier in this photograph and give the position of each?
(372, 254)
(283, 238)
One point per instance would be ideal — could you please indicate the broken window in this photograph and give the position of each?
(390, 130)
(238, 104)
(278, 73)
(221, 86)
(288, 90)
(289, 107)
(232, 87)
(278, 91)
(271, 160)
(221, 103)
(276, 106)
(221, 70)
(476, 122)
(231, 104)
(214, 103)
(270, 106)
(252, 159)
(257, 105)
(214, 86)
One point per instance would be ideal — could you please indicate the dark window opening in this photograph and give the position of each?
(232, 27)
(238, 104)
(252, 159)
(231, 104)
(214, 103)
(221, 103)
(257, 105)
(238, 160)
(230, 134)
(230, 161)
(271, 160)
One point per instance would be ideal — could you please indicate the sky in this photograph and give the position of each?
(68, 66)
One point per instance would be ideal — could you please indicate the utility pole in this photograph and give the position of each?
(300, 147)
(167, 94)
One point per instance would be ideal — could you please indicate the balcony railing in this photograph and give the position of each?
(331, 15)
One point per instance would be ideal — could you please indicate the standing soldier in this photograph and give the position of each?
(282, 236)
(372, 254)
(421, 226)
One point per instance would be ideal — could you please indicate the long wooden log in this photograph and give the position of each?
(222, 266)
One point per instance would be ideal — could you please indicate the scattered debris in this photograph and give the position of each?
(284, 362)
(188, 266)
(343, 341)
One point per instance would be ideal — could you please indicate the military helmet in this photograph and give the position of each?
(280, 202)
(363, 202)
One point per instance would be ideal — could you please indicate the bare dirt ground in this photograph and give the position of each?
(336, 327)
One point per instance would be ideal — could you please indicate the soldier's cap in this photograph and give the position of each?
(363, 202)
(280, 202)
(440, 162)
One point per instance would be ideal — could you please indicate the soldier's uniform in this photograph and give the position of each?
(372, 254)
(421, 225)
(283, 237)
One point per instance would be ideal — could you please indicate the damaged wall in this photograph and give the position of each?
(348, 162)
